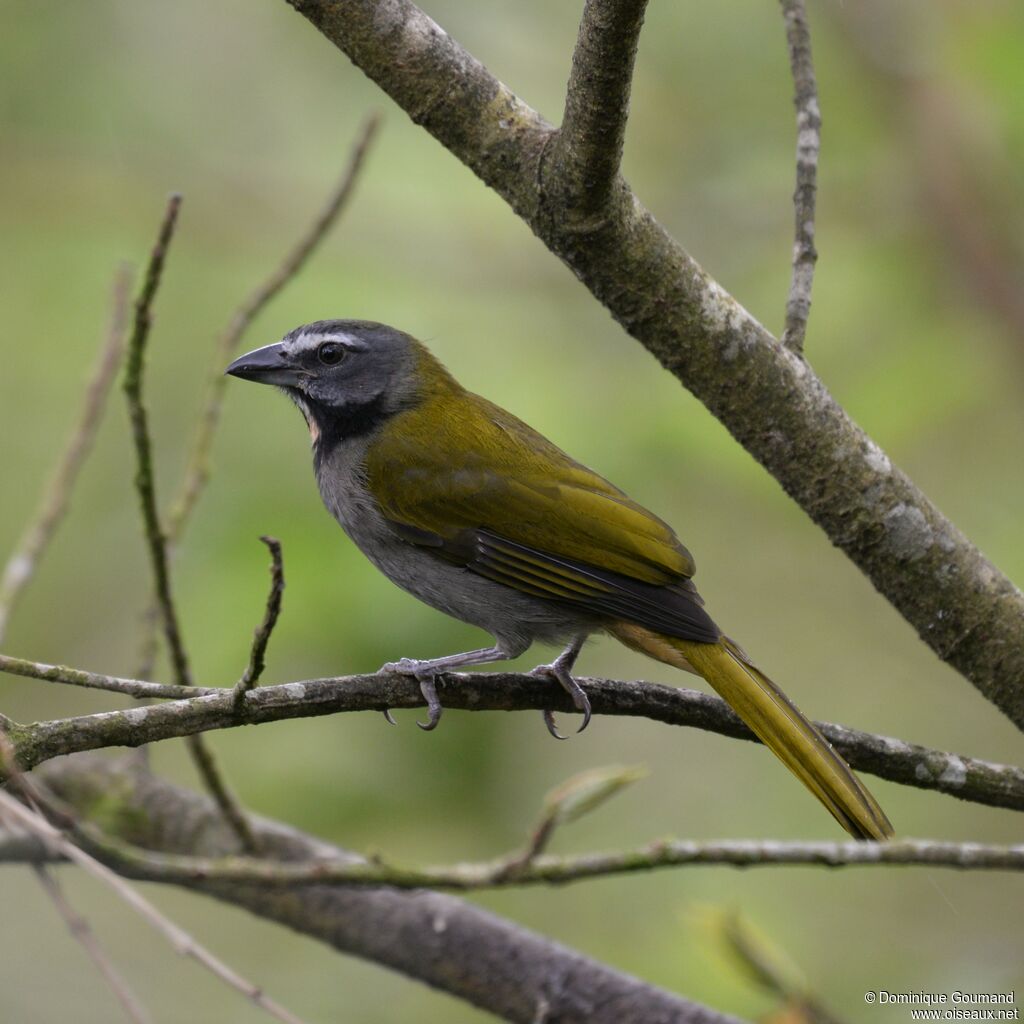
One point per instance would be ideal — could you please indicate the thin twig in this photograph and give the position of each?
(588, 150)
(197, 469)
(808, 146)
(25, 558)
(157, 543)
(261, 637)
(548, 869)
(97, 681)
(86, 938)
(183, 943)
(910, 764)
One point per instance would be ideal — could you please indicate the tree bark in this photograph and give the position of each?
(440, 940)
(968, 612)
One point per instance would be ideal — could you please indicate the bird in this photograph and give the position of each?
(480, 516)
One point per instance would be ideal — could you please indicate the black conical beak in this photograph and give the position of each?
(267, 365)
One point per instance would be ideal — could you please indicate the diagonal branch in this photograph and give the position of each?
(808, 146)
(86, 938)
(961, 605)
(21, 565)
(966, 778)
(588, 150)
(183, 943)
(511, 972)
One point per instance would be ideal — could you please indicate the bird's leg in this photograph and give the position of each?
(426, 671)
(561, 670)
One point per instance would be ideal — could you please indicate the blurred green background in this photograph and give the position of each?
(108, 106)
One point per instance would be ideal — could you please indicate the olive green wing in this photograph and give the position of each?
(488, 492)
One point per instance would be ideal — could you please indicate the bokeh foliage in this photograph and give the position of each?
(108, 106)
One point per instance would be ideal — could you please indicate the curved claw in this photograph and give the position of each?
(549, 721)
(388, 716)
(582, 705)
(434, 709)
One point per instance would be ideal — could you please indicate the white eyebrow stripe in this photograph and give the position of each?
(311, 341)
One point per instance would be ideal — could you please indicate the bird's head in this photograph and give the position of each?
(347, 376)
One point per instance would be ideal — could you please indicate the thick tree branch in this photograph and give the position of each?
(588, 150)
(968, 612)
(808, 146)
(967, 778)
(472, 954)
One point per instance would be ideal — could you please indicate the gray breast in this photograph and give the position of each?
(513, 618)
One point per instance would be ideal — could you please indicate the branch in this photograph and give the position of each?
(588, 150)
(261, 637)
(507, 970)
(197, 469)
(548, 869)
(157, 542)
(968, 612)
(808, 146)
(21, 566)
(83, 934)
(966, 778)
(183, 943)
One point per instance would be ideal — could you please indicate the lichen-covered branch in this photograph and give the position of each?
(21, 565)
(440, 940)
(964, 777)
(588, 150)
(968, 612)
(808, 146)
(551, 869)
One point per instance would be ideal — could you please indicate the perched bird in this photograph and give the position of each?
(474, 512)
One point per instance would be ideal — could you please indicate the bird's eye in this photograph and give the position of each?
(330, 353)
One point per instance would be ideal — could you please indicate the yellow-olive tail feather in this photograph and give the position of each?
(775, 720)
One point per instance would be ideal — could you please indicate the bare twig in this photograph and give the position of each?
(157, 543)
(86, 938)
(569, 801)
(23, 561)
(183, 943)
(808, 146)
(197, 470)
(548, 869)
(588, 150)
(910, 764)
(144, 476)
(261, 637)
(97, 681)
